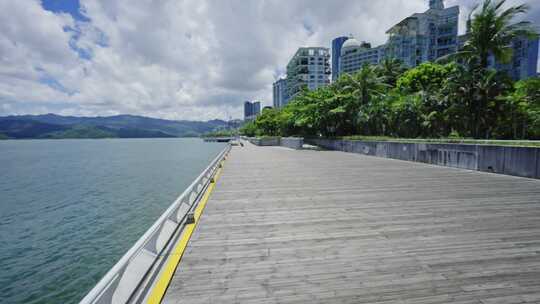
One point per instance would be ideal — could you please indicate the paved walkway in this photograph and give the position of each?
(286, 226)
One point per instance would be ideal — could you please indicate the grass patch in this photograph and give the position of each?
(516, 143)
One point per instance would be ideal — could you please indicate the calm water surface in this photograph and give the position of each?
(69, 209)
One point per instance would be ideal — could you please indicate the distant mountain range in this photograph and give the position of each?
(120, 126)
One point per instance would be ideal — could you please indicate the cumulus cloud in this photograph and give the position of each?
(191, 59)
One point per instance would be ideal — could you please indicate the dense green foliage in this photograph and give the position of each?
(222, 133)
(80, 132)
(523, 110)
(460, 98)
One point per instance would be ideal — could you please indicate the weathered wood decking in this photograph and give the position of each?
(287, 226)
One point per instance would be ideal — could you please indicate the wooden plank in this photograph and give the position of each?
(288, 226)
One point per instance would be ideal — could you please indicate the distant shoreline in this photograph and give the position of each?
(98, 138)
(51, 126)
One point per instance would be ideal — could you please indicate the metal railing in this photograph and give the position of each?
(129, 279)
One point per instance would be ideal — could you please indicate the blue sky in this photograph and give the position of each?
(72, 7)
(189, 59)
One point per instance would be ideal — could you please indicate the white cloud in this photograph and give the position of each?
(191, 59)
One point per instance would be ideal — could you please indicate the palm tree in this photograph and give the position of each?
(390, 69)
(364, 84)
(359, 92)
(490, 31)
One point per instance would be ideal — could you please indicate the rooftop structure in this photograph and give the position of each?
(436, 4)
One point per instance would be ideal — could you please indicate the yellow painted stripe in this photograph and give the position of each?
(157, 293)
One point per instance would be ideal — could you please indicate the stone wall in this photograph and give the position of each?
(292, 142)
(517, 161)
(289, 142)
(264, 141)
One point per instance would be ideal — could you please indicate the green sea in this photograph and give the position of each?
(69, 209)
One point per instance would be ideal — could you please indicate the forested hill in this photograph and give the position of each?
(120, 126)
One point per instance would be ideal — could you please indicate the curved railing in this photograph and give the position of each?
(128, 280)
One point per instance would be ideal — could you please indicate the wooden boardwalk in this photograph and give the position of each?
(286, 226)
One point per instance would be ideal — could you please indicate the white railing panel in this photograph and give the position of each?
(123, 280)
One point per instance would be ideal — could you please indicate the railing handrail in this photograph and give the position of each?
(106, 283)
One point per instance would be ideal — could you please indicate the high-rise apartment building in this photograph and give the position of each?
(280, 93)
(419, 38)
(256, 108)
(247, 110)
(425, 36)
(251, 110)
(355, 54)
(337, 44)
(309, 68)
(524, 60)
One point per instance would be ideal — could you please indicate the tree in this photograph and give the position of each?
(426, 81)
(490, 31)
(374, 118)
(249, 129)
(268, 123)
(489, 86)
(426, 77)
(363, 84)
(458, 92)
(362, 91)
(473, 97)
(523, 106)
(405, 115)
(326, 111)
(463, 98)
(390, 69)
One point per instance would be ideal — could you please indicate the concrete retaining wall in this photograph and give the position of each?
(289, 142)
(517, 161)
(292, 142)
(265, 141)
